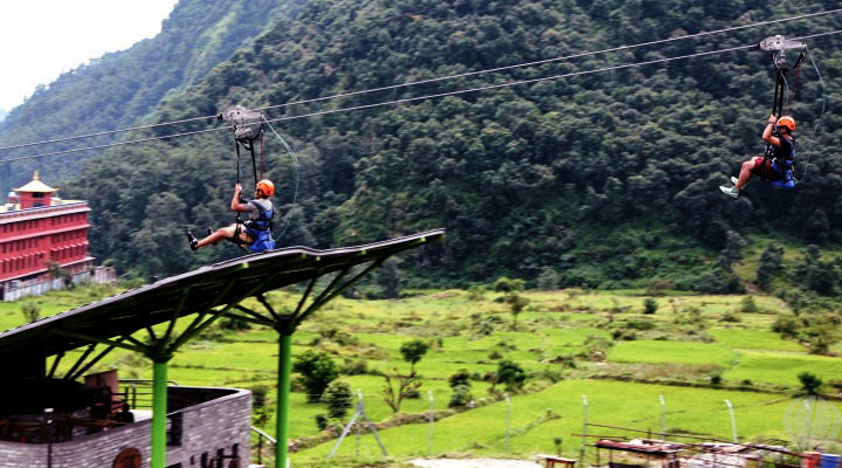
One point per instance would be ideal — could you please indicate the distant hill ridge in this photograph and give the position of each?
(120, 89)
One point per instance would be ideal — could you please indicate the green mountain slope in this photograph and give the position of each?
(607, 180)
(119, 89)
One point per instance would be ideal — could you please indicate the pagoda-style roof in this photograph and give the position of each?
(36, 186)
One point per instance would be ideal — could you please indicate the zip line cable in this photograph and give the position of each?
(437, 79)
(818, 121)
(549, 60)
(296, 170)
(537, 80)
(429, 96)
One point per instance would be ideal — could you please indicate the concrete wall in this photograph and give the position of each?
(207, 427)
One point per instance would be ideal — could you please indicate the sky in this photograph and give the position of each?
(39, 41)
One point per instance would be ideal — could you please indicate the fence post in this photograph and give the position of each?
(508, 420)
(733, 421)
(584, 429)
(432, 419)
(663, 416)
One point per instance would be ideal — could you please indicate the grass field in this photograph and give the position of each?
(687, 339)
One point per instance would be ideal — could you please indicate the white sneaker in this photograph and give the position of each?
(734, 180)
(730, 191)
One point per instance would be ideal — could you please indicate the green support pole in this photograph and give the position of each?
(282, 410)
(159, 415)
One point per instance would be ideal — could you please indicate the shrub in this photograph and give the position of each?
(461, 377)
(338, 398)
(317, 370)
(650, 306)
(31, 312)
(321, 421)
(810, 383)
(354, 367)
(730, 316)
(786, 325)
(258, 395)
(511, 375)
(716, 380)
(748, 306)
(476, 292)
(461, 396)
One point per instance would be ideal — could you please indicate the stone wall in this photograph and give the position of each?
(207, 427)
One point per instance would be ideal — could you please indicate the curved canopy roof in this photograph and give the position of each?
(211, 286)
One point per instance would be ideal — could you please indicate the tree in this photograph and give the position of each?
(318, 370)
(511, 289)
(810, 383)
(338, 398)
(511, 375)
(733, 250)
(407, 386)
(413, 351)
(401, 386)
(769, 265)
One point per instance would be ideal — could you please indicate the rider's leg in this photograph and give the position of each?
(218, 236)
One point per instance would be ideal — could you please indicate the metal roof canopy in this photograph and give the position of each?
(210, 292)
(224, 283)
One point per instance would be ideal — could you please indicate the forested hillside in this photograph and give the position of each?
(119, 89)
(605, 180)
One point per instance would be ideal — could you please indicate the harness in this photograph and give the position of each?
(260, 229)
(782, 165)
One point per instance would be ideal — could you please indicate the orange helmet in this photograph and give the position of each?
(788, 122)
(267, 187)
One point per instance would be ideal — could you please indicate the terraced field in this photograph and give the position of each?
(571, 343)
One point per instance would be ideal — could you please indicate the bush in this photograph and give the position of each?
(321, 421)
(786, 325)
(31, 312)
(476, 292)
(810, 383)
(461, 396)
(511, 375)
(730, 316)
(716, 380)
(650, 306)
(748, 306)
(354, 367)
(317, 370)
(461, 377)
(338, 398)
(258, 395)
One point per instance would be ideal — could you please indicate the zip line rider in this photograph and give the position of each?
(256, 232)
(776, 166)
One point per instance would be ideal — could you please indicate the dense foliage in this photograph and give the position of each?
(605, 180)
(120, 89)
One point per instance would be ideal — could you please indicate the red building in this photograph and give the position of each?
(38, 231)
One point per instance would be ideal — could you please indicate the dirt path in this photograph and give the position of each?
(474, 463)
